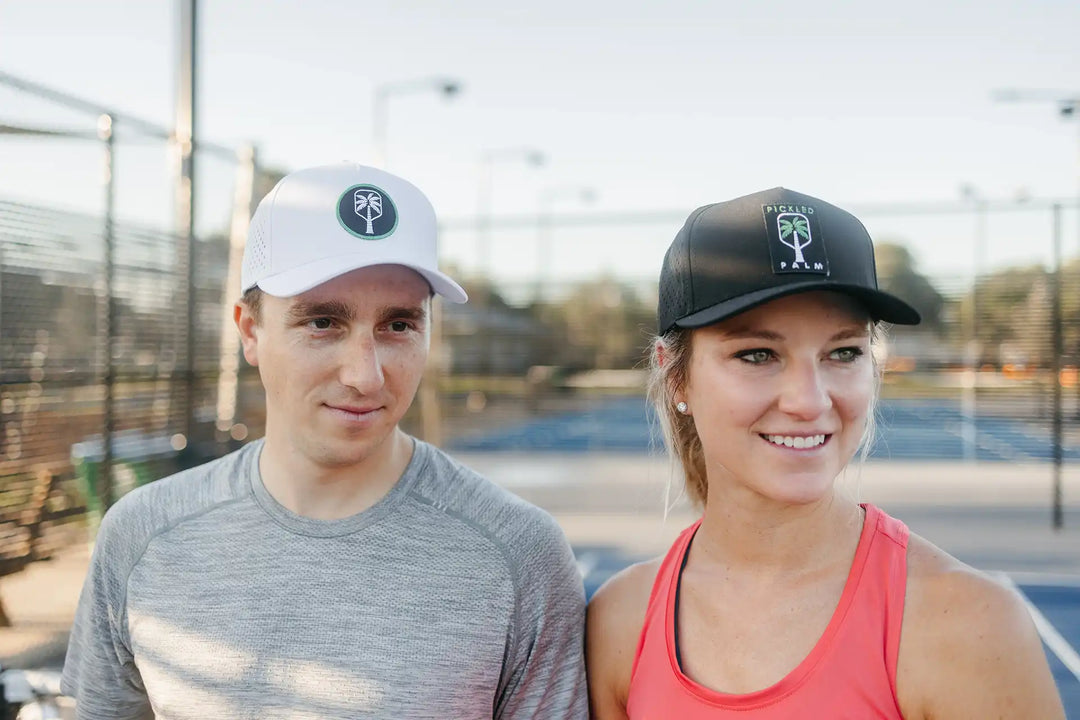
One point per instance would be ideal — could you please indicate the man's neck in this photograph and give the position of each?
(331, 493)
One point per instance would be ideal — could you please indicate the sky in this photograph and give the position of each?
(656, 108)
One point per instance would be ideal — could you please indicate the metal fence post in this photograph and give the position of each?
(1055, 363)
(185, 200)
(104, 475)
(229, 345)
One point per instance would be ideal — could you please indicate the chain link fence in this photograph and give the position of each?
(94, 348)
(107, 381)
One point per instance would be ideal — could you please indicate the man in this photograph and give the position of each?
(337, 568)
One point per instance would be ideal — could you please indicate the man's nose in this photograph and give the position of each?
(361, 367)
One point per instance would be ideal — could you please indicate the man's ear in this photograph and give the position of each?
(248, 326)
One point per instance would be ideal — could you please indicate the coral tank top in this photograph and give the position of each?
(850, 672)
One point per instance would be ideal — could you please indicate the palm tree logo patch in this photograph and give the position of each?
(794, 241)
(367, 212)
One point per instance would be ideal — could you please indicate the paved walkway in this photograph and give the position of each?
(994, 516)
(41, 604)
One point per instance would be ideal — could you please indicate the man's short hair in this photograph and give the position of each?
(253, 300)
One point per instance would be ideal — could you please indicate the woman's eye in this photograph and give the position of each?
(848, 354)
(755, 357)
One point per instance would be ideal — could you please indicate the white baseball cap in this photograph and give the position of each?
(322, 222)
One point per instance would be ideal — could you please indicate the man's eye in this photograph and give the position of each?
(399, 326)
(322, 323)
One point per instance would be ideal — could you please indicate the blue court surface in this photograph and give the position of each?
(907, 430)
(1054, 603)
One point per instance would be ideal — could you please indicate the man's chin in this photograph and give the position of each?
(345, 449)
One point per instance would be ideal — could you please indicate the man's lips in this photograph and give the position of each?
(354, 409)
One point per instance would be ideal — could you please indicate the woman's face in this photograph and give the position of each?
(780, 396)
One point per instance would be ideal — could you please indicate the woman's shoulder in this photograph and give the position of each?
(950, 597)
(616, 615)
(968, 642)
(624, 597)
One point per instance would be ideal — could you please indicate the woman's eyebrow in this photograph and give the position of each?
(752, 334)
(855, 332)
(848, 333)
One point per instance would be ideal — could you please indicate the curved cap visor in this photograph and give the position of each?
(301, 279)
(881, 305)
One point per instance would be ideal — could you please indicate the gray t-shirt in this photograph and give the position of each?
(449, 598)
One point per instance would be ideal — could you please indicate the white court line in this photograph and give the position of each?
(1028, 577)
(1053, 639)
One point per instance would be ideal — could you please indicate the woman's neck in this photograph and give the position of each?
(760, 535)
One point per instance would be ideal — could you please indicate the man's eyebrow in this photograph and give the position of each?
(305, 310)
(404, 312)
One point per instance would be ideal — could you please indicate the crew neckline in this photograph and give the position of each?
(313, 527)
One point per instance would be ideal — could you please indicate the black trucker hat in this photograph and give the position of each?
(735, 255)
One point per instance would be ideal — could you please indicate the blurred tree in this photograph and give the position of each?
(1015, 315)
(1013, 312)
(897, 274)
(603, 324)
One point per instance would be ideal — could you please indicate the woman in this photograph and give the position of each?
(788, 599)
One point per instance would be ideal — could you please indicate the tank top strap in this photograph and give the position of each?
(890, 566)
(667, 579)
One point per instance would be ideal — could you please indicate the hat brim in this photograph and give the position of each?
(881, 305)
(301, 279)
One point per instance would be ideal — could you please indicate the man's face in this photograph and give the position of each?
(340, 363)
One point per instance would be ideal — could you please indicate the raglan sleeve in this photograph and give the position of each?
(99, 669)
(544, 671)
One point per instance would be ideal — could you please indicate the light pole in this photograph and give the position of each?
(969, 399)
(532, 157)
(445, 86)
(488, 158)
(548, 197)
(1068, 105)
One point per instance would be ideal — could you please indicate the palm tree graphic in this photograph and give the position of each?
(372, 203)
(796, 227)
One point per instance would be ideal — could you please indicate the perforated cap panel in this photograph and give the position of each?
(257, 252)
(676, 285)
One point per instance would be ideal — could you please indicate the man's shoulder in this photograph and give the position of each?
(461, 492)
(151, 509)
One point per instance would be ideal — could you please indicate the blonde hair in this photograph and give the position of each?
(669, 369)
